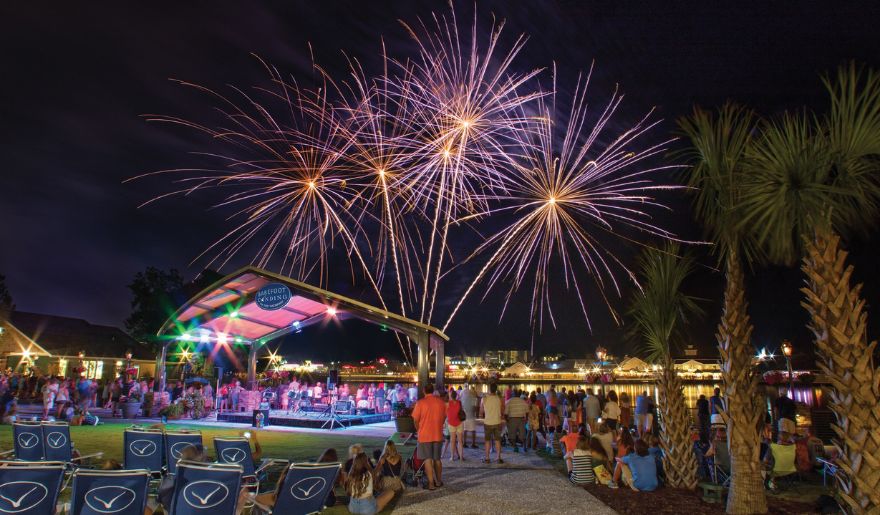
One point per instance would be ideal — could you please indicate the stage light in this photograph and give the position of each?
(204, 338)
(296, 324)
(331, 311)
(185, 337)
(221, 338)
(234, 314)
(238, 339)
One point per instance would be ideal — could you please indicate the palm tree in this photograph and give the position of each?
(659, 310)
(812, 179)
(718, 143)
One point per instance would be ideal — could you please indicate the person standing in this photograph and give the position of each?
(625, 411)
(703, 416)
(456, 426)
(611, 410)
(786, 413)
(593, 409)
(469, 405)
(429, 414)
(491, 407)
(642, 407)
(413, 394)
(516, 411)
(716, 405)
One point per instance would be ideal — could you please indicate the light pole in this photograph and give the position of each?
(787, 350)
(601, 352)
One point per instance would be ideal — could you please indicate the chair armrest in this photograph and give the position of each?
(268, 462)
(88, 456)
(7, 453)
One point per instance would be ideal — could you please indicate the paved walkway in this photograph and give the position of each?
(524, 484)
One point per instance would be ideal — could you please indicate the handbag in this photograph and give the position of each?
(602, 474)
(461, 413)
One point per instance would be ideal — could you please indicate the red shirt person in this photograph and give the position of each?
(429, 415)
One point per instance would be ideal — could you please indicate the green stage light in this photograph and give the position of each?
(234, 314)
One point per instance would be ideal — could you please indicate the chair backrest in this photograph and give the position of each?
(202, 488)
(121, 492)
(144, 449)
(28, 441)
(236, 451)
(783, 459)
(30, 487)
(344, 406)
(175, 443)
(405, 424)
(56, 441)
(722, 455)
(305, 488)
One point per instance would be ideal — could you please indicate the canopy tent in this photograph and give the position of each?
(253, 306)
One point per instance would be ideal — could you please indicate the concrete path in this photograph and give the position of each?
(524, 484)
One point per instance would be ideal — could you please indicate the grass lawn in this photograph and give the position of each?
(107, 438)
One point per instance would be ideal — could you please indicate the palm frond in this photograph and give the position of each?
(718, 143)
(660, 309)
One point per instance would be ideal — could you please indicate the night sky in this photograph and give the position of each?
(77, 78)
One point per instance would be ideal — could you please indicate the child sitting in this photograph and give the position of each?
(657, 453)
(553, 447)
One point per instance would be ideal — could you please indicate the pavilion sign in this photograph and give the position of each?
(273, 296)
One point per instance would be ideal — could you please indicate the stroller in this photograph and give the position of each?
(414, 473)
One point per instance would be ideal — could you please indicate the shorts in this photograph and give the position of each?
(429, 450)
(492, 433)
(366, 506)
(456, 430)
(470, 424)
(787, 425)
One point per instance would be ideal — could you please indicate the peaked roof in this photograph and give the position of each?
(228, 309)
(66, 336)
(633, 363)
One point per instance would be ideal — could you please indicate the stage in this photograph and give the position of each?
(312, 419)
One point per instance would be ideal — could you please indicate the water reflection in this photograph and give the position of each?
(810, 396)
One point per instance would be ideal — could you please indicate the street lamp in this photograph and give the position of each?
(787, 350)
(601, 352)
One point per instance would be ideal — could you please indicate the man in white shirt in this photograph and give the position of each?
(491, 408)
(413, 394)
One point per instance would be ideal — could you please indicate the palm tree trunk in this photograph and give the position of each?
(679, 460)
(744, 414)
(845, 357)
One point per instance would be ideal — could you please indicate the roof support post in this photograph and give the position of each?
(439, 363)
(252, 366)
(423, 339)
(161, 373)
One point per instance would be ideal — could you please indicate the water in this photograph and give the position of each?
(811, 396)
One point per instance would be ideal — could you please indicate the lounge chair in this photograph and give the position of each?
(305, 489)
(144, 449)
(120, 492)
(175, 443)
(205, 488)
(29, 487)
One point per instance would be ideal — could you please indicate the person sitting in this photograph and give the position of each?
(625, 444)
(553, 447)
(606, 437)
(600, 461)
(570, 440)
(580, 463)
(637, 470)
(388, 469)
(780, 460)
(656, 452)
(702, 447)
(359, 485)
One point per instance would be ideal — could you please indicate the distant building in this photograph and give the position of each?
(506, 357)
(52, 344)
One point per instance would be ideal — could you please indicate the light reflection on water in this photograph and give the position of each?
(808, 395)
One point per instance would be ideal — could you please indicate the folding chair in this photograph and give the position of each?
(27, 437)
(175, 443)
(120, 492)
(199, 487)
(144, 449)
(721, 465)
(59, 447)
(305, 489)
(406, 429)
(30, 487)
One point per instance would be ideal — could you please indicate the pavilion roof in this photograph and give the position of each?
(228, 310)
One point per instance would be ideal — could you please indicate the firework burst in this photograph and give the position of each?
(387, 168)
(566, 194)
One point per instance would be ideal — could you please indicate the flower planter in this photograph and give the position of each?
(130, 409)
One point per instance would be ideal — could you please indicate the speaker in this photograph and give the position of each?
(332, 379)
